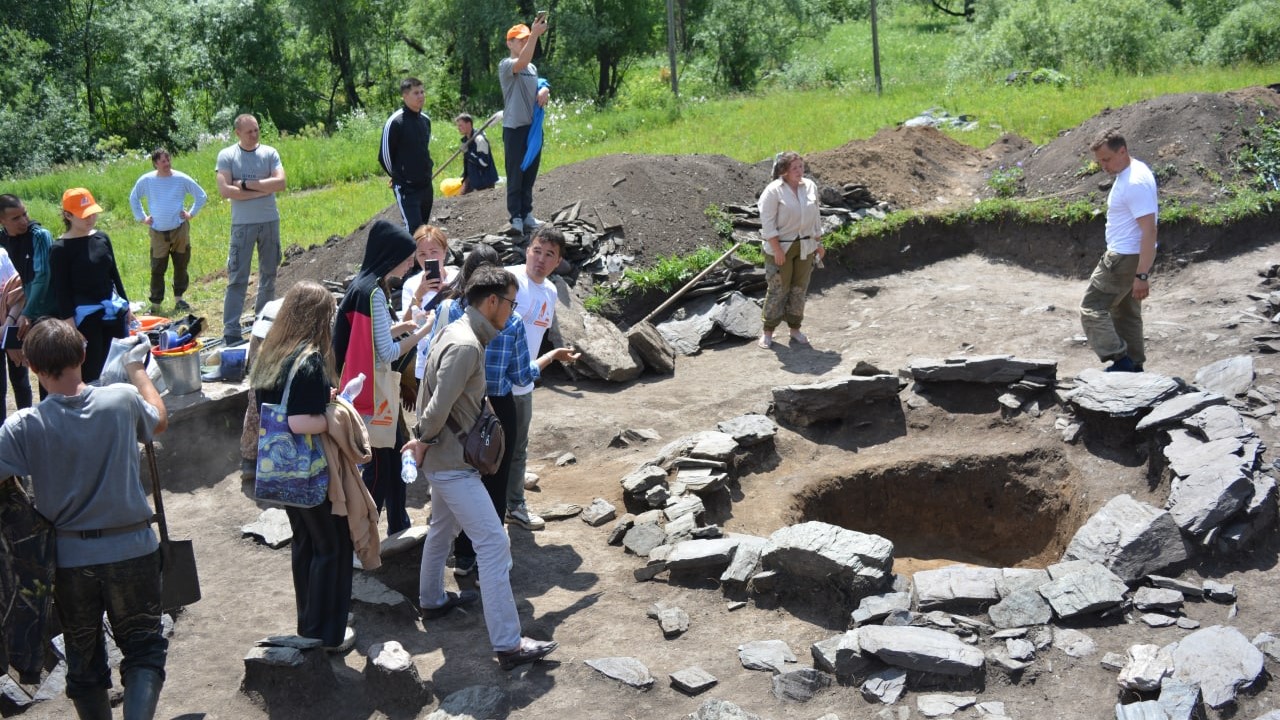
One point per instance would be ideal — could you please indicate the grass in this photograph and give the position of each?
(824, 100)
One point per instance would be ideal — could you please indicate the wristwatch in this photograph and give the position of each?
(1142, 276)
(242, 184)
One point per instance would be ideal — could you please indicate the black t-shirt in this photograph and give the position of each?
(310, 392)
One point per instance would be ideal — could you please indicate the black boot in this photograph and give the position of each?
(141, 693)
(93, 707)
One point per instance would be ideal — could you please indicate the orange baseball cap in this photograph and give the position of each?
(80, 203)
(518, 32)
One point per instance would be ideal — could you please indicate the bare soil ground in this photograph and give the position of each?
(993, 290)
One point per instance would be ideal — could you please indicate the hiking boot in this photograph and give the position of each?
(1123, 364)
(529, 650)
(464, 566)
(141, 693)
(182, 305)
(95, 706)
(452, 600)
(525, 519)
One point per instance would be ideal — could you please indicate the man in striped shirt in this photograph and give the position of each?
(166, 191)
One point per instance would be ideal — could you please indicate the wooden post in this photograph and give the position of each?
(875, 48)
(671, 46)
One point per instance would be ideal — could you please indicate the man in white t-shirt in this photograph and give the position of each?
(1111, 311)
(536, 306)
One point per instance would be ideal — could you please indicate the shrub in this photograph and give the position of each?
(1251, 33)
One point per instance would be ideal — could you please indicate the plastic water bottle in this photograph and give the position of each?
(408, 467)
(353, 387)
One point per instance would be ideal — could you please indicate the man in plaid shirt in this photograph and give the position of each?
(506, 363)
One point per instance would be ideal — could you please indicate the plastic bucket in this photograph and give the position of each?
(181, 370)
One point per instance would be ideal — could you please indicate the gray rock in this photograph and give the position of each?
(885, 686)
(1073, 642)
(1120, 394)
(1268, 644)
(877, 607)
(1010, 634)
(394, 679)
(1022, 650)
(1156, 620)
(746, 560)
(722, 710)
(1188, 454)
(561, 511)
(739, 316)
(1230, 377)
(993, 710)
(1147, 667)
(1218, 659)
(750, 429)
(1188, 589)
(819, 552)
(640, 480)
(1187, 623)
(1219, 422)
(271, 528)
(768, 655)
(1059, 570)
(657, 497)
(698, 481)
(681, 529)
(627, 670)
(1020, 609)
(286, 674)
(800, 685)
(297, 642)
(703, 321)
(714, 445)
(651, 570)
(369, 590)
(477, 702)
(1015, 579)
(1091, 590)
(620, 528)
(673, 621)
(693, 680)
(1113, 661)
(598, 512)
(956, 586)
(989, 369)
(1180, 700)
(1131, 538)
(938, 704)
(643, 538)
(840, 655)
(1145, 710)
(687, 505)
(922, 649)
(1219, 592)
(999, 657)
(628, 437)
(806, 405)
(1178, 407)
(652, 348)
(1157, 599)
(606, 353)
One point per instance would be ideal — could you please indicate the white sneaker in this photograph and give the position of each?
(531, 223)
(517, 226)
(525, 519)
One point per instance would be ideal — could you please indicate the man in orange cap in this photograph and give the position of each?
(520, 94)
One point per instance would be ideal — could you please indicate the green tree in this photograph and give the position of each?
(609, 33)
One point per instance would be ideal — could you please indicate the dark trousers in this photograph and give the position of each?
(415, 205)
(129, 592)
(98, 334)
(321, 571)
(495, 485)
(20, 378)
(166, 243)
(382, 476)
(519, 182)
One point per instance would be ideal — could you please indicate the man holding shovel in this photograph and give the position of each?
(108, 557)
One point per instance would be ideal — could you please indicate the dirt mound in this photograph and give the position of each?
(912, 167)
(1189, 140)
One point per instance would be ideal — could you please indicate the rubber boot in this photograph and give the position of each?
(94, 707)
(141, 694)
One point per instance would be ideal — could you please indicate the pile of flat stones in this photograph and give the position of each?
(948, 628)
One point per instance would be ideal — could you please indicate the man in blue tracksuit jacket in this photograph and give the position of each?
(406, 156)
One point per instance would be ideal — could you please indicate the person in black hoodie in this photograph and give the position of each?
(406, 155)
(364, 341)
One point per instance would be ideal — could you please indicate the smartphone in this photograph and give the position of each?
(432, 270)
(10, 340)
(542, 16)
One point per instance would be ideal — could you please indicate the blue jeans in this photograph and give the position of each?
(129, 592)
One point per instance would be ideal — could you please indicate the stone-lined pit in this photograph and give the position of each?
(1001, 510)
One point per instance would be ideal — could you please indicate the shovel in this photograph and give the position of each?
(492, 119)
(180, 585)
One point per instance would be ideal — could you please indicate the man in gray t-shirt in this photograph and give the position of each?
(108, 557)
(249, 175)
(520, 95)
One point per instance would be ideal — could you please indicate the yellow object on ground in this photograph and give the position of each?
(451, 186)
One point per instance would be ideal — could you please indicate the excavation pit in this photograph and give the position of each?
(1002, 510)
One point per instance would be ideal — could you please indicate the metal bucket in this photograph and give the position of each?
(181, 371)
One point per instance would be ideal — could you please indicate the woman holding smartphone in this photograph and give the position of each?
(419, 293)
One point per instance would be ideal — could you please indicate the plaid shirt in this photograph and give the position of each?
(506, 357)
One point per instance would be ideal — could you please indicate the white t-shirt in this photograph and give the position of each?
(536, 306)
(1133, 195)
(406, 299)
(7, 270)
